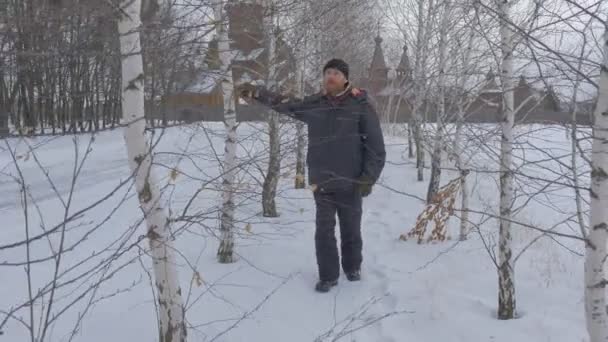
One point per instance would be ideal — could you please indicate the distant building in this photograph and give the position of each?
(392, 91)
(202, 99)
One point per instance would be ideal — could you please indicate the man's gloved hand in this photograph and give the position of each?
(364, 186)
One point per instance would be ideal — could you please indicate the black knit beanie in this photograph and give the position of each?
(337, 64)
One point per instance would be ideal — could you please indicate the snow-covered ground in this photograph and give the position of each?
(438, 292)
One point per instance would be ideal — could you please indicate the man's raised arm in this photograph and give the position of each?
(291, 106)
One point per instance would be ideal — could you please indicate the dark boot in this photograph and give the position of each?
(353, 275)
(324, 286)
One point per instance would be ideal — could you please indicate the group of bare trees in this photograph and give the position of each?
(73, 66)
(556, 44)
(58, 66)
(60, 63)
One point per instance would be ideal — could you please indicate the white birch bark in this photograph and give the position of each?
(271, 180)
(441, 116)
(574, 143)
(419, 88)
(461, 163)
(225, 253)
(596, 248)
(506, 276)
(170, 303)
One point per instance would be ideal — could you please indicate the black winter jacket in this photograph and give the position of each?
(345, 142)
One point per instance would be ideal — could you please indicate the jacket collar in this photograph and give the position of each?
(339, 97)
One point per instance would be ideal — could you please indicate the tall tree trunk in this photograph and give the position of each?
(596, 248)
(578, 198)
(462, 167)
(4, 103)
(418, 90)
(506, 271)
(438, 144)
(461, 164)
(301, 140)
(410, 140)
(225, 251)
(271, 179)
(172, 326)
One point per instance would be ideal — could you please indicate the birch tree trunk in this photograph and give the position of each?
(274, 160)
(274, 167)
(438, 144)
(461, 164)
(301, 142)
(410, 141)
(596, 248)
(225, 253)
(418, 90)
(464, 186)
(578, 198)
(506, 276)
(170, 303)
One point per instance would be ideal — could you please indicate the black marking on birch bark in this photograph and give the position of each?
(152, 234)
(145, 195)
(605, 113)
(133, 84)
(602, 225)
(160, 290)
(603, 67)
(139, 159)
(600, 285)
(170, 328)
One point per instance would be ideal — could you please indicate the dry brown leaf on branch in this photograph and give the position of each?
(197, 279)
(173, 175)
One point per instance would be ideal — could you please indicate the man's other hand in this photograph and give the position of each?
(364, 186)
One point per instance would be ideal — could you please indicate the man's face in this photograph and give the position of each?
(333, 81)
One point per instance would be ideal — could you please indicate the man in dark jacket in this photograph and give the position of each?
(346, 155)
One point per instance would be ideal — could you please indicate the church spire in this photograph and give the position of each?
(404, 68)
(378, 72)
(378, 61)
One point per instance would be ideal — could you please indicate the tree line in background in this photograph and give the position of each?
(60, 60)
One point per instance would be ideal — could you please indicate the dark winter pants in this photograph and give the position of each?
(347, 205)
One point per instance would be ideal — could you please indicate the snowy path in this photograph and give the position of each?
(442, 292)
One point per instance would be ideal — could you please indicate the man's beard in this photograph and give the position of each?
(335, 89)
